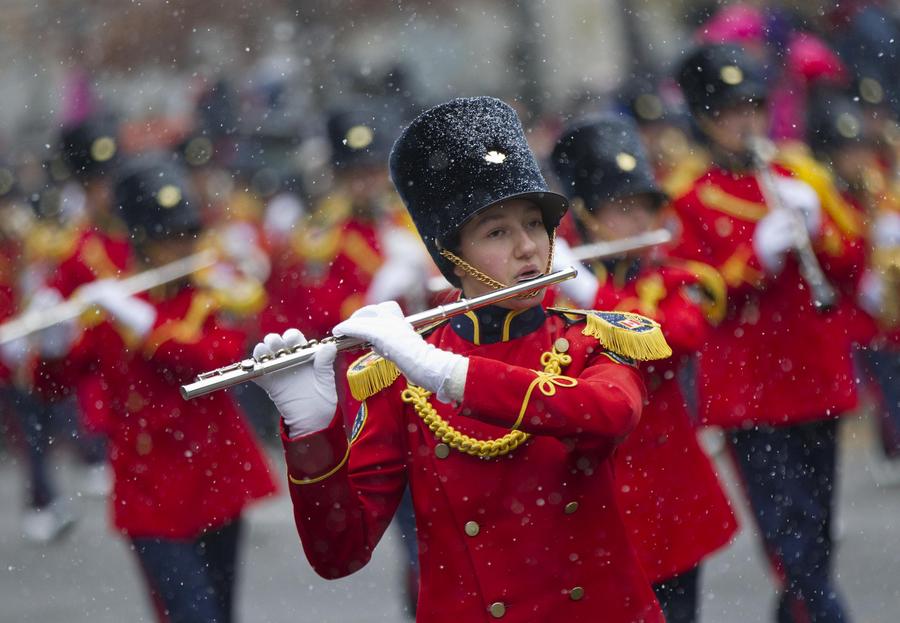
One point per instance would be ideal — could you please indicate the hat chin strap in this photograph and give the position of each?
(490, 281)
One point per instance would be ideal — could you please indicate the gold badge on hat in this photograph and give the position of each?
(359, 137)
(847, 125)
(731, 74)
(103, 149)
(626, 162)
(168, 196)
(495, 157)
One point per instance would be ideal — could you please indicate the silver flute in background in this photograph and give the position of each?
(248, 369)
(823, 294)
(39, 319)
(592, 251)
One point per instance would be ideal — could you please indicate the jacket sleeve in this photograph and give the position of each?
(345, 493)
(683, 323)
(605, 402)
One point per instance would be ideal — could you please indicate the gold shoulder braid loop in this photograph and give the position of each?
(546, 381)
(487, 279)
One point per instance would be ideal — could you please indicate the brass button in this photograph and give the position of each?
(576, 593)
(497, 609)
(442, 451)
(561, 345)
(571, 507)
(472, 528)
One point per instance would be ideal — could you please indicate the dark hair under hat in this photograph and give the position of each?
(714, 77)
(458, 159)
(155, 199)
(601, 159)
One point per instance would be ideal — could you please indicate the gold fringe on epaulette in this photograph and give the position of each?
(643, 346)
(377, 375)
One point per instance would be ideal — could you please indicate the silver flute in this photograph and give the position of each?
(36, 320)
(823, 294)
(250, 368)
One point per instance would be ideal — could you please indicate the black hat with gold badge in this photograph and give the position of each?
(460, 158)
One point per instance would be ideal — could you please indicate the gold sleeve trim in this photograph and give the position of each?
(328, 474)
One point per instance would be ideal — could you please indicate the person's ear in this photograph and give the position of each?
(459, 272)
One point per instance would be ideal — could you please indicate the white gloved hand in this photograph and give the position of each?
(14, 352)
(391, 336)
(886, 230)
(137, 315)
(773, 238)
(405, 270)
(583, 288)
(800, 197)
(871, 292)
(305, 396)
(53, 342)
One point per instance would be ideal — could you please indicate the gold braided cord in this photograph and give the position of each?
(545, 381)
(490, 281)
(477, 274)
(488, 449)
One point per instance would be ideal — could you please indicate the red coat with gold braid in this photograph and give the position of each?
(323, 279)
(513, 489)
(180, 467)
(96, 254)
(773, 359)
(675, 522)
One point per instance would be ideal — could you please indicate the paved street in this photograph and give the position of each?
(91, 577)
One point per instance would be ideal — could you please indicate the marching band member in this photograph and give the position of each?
(503, 420)
(776, 373)
(182, 475)
(675, 521)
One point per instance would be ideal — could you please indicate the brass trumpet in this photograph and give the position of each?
(248, 369)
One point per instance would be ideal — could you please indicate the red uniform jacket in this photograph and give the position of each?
(180, 467)
(669, 494)
(9, 264)
(532, 535)
(324, 279)
(773, 359)
(96, 255)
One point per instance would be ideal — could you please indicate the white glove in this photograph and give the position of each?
(583, 288)
(53, 342)
(391, 336)
(886, 230)
(404, 273)
(305, 396)
(800, 197)
(773, 238)
(871, 292)
(14, 352)
(136, 315)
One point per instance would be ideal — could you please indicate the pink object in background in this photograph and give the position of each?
(77, 97)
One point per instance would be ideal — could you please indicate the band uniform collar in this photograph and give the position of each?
(493, 324)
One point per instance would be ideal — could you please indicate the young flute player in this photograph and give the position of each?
(503, 421)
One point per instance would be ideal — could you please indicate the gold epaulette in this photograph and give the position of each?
(370, 374)
(624, 333)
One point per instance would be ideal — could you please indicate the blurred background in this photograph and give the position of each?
(243, 92)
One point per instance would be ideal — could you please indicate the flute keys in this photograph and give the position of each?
(248, 364)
